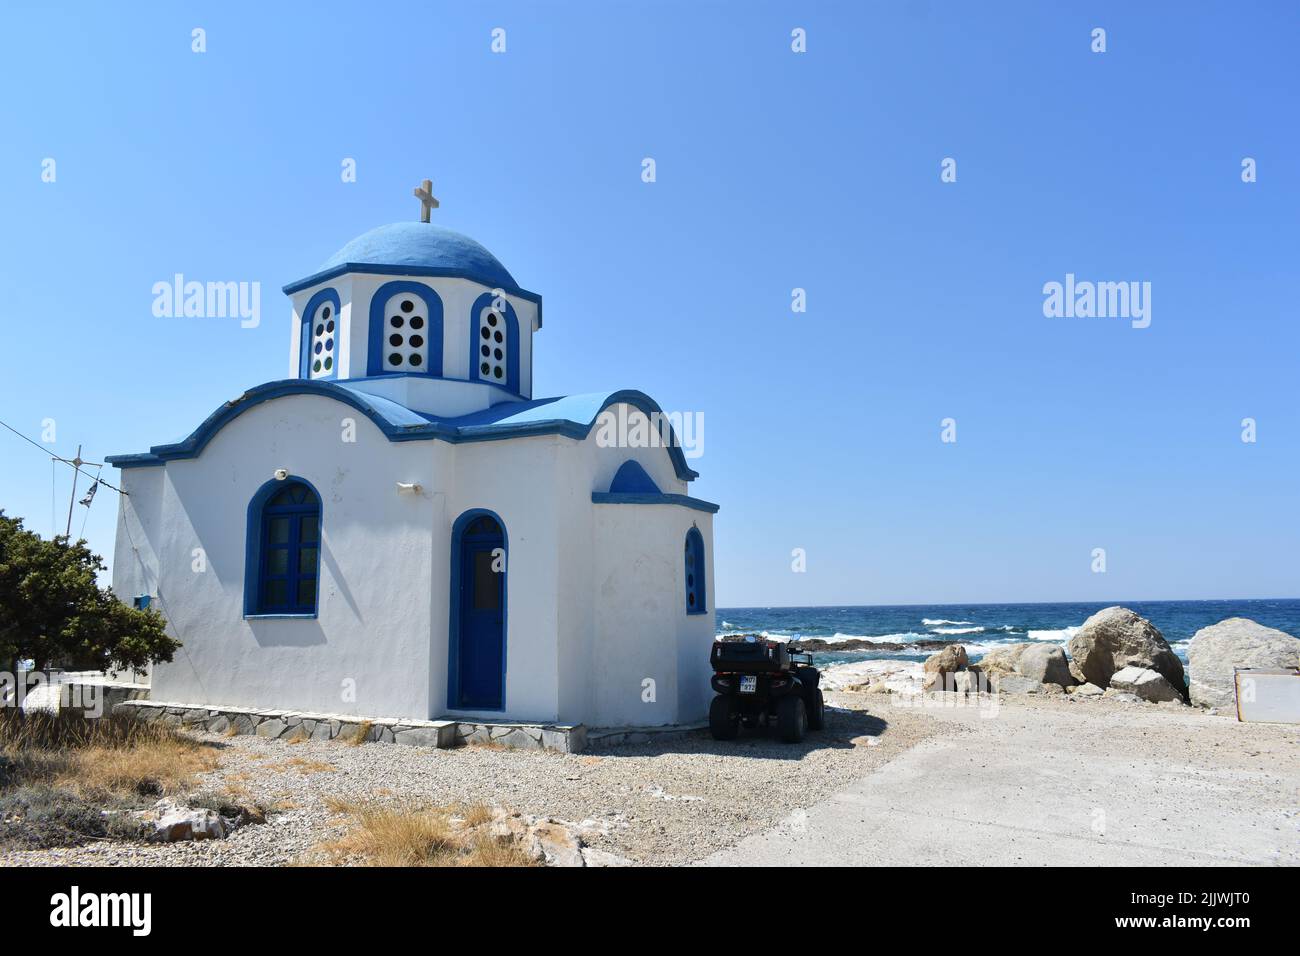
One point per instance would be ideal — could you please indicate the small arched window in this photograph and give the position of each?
(288, 550)
(696, 600)
(405, 330)
(320, 336)
(494, 342)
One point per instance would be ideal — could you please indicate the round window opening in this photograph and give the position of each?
(407, 305)
(394, 340)
(395, 359)
(396, 322)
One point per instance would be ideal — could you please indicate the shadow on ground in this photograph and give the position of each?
(845, 729)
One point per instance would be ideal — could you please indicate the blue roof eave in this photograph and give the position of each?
(573, 416)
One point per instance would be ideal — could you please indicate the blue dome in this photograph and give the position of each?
(420, 247)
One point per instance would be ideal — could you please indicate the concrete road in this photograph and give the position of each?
(1058, 782)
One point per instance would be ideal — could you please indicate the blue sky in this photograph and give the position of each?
(775, 170)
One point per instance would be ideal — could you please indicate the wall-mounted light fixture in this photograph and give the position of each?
(409, 487)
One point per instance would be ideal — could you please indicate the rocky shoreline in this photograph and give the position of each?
(1116, 654)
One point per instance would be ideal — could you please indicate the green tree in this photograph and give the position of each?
(54, 613)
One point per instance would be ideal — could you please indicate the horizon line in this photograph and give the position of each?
(756, 607)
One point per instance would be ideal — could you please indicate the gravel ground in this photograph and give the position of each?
(666, 802)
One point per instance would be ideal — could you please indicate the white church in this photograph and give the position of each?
(399, 529)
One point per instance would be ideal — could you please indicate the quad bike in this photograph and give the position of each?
(759, 681)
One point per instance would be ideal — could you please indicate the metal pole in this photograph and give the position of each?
(76, 473)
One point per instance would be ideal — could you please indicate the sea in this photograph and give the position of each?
(981, 627)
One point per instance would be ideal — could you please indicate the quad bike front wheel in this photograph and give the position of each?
(816, 710)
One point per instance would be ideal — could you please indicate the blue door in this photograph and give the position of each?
(481, 643)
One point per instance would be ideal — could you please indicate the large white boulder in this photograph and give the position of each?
(1025, 668)
(1144, 683)
(1238, 642)
(1115, 638)
(950, 660)
(1047, 664)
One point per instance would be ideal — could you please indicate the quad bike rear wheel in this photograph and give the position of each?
(724, 722)
(792, 719)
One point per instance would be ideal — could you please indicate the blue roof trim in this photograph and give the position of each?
(388, 270)
(417, 249)
(573, 416)
(686, 501)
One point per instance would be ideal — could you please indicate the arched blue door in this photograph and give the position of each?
(479, 649)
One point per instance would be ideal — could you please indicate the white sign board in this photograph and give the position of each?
(1268, 696)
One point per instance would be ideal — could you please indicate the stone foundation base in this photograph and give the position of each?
(564, 738)
(277, 724)
(604, 737)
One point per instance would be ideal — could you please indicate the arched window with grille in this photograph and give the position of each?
(319, 353)
(284, 541)
(494, 342)
(696, 599)
(405, 330)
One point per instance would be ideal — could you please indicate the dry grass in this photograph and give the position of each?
(303, 765)
(413, 835)
(359, 736)
(114, 755)
(162, 767)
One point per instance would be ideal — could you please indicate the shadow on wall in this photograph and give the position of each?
(286, 632)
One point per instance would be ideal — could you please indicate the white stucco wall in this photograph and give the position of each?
(622, 595)
(595, 593)
(374, 621)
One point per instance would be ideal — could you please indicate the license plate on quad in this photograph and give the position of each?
(748, 684)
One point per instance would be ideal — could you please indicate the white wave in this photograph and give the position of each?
(959, 630)
(1060, 636)
(928, 622)
(908, 638)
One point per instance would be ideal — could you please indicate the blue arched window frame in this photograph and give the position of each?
(293, 527)
(695, 573)
(487, 299)
(375, 363)
(306, 354)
